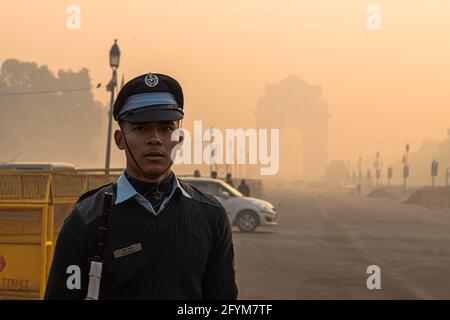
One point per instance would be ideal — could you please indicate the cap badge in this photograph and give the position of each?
(151, 80)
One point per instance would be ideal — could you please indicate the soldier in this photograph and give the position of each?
(229, 180)
(244, 188)
(162, 238)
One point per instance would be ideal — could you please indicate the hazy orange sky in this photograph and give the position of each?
(384, 87)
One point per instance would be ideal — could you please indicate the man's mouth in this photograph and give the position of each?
(154, 155)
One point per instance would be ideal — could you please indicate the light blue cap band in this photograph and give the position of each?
(141, 100)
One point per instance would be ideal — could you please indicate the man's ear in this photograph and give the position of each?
(119, 139)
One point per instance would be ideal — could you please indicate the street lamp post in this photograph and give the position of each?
(389, 175)
(359, 175)
(114, 58)
(405, 168)
(434, 171)
(377, 169)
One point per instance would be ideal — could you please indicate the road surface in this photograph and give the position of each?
(326, 240)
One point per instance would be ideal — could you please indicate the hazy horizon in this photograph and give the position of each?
(384, 88)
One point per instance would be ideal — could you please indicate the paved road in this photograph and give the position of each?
(325, 241)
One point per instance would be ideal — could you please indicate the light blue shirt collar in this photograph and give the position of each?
(126, 191)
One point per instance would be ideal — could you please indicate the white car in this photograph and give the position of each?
(244, 212)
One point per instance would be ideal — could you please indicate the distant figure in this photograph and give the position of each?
(244, 188)
(358, 189)
(197, 173)
(229, 180)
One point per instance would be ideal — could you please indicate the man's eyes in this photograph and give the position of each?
(164, 129)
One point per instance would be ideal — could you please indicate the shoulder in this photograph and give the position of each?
(213, 210)
(198, 195)
(207, 200)
(89, 205)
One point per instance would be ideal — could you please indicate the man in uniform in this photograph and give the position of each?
(229, 180)
(244, 188)
(163, 238)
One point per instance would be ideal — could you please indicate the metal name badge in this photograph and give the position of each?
(127, 250)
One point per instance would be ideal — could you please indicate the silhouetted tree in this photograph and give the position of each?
(59, 126)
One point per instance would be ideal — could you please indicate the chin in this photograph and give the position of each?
(155, 169)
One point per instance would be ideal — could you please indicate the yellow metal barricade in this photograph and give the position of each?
(25, 239)
(33, 207)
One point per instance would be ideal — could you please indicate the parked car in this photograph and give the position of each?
(244, 212)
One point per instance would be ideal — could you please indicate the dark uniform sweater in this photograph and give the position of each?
(187, 250)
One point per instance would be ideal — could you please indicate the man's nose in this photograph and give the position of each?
(154, 138)
(154, 141)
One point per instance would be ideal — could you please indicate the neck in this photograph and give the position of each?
(139, 176)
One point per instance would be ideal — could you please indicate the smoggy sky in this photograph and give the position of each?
(384, 87)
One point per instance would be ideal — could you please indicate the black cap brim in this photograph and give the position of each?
(153, 113)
